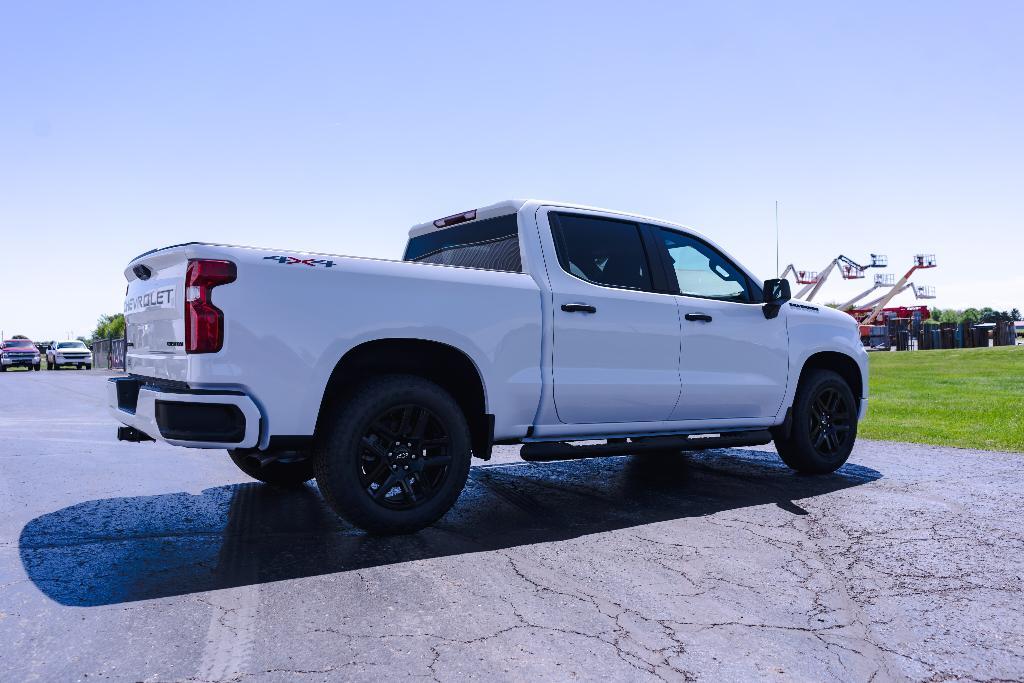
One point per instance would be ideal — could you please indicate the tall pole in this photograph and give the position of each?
(776, 238)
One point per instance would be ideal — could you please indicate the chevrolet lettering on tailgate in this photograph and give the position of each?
(155, 298)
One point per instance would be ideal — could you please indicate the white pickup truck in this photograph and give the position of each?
(524, 322)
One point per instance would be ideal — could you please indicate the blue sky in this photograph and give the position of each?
(879, 127)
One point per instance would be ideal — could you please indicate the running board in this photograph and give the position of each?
(559, 450)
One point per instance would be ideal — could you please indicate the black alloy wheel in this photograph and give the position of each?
(404, 460)
(823, 426)
(393, 455)
(831, 419)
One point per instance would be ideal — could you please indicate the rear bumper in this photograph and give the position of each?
(183, 417)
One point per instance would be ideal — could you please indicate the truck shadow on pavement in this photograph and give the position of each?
(119, 550)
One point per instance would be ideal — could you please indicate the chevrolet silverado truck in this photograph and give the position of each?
(574, 331)
(72, 352)
(18, 353)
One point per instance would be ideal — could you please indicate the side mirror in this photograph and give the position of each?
(776, 293)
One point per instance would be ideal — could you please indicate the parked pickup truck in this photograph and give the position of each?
(72, 352)
(18, 353)
(524, 322)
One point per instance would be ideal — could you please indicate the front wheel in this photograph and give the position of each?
(394, 457)
(289, 470)
(36, 368)
(823, 427)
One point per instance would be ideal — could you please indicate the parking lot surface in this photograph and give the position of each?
(147, 562)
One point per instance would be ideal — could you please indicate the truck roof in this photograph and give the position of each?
(514, 205)
(490, 211)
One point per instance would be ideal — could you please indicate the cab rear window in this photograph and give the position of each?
(491, 244)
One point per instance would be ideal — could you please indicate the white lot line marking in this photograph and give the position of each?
(229, 638)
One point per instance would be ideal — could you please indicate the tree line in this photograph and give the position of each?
(109, 327)
(973, 315)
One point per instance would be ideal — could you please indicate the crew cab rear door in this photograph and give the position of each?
(734, 361)
(616, 339)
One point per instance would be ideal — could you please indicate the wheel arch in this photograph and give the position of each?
(840, 363)
(443, 364)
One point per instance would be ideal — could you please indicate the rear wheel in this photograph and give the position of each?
(823, 427)
(394, 457)
(292, 468)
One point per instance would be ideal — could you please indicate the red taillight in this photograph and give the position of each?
(204, 322)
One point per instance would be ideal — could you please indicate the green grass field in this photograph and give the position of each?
(972, 398)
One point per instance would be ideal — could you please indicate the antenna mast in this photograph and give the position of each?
(776, 238)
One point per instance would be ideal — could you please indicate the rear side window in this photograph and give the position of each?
(492, 244)
(600, 250)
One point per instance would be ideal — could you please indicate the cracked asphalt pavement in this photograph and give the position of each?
(147, 562)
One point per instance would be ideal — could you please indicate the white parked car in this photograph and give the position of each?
(524, 322)
(71, 352)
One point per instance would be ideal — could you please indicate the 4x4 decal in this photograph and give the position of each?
(291, 260)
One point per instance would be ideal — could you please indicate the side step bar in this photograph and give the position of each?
(558, 450)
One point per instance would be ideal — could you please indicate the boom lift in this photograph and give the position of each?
(849, 269)
(920, 261)
(870, 313)
(920, 292)
(803, 277)
(881, 280)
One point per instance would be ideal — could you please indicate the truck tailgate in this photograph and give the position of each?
(155, 317)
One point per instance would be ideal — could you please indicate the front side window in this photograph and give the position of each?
(703, 272)
(600, 250)
(491, 243)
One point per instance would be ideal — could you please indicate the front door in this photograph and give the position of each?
(734, 361)
(616, 341)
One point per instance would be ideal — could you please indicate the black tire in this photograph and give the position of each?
(3, 368)
(824, 425)
(88, 367)
(36, 367)
(55, 366)
(288, 472)
(394, 457)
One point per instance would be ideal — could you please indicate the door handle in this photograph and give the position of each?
(698, 316)
(579, 308)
